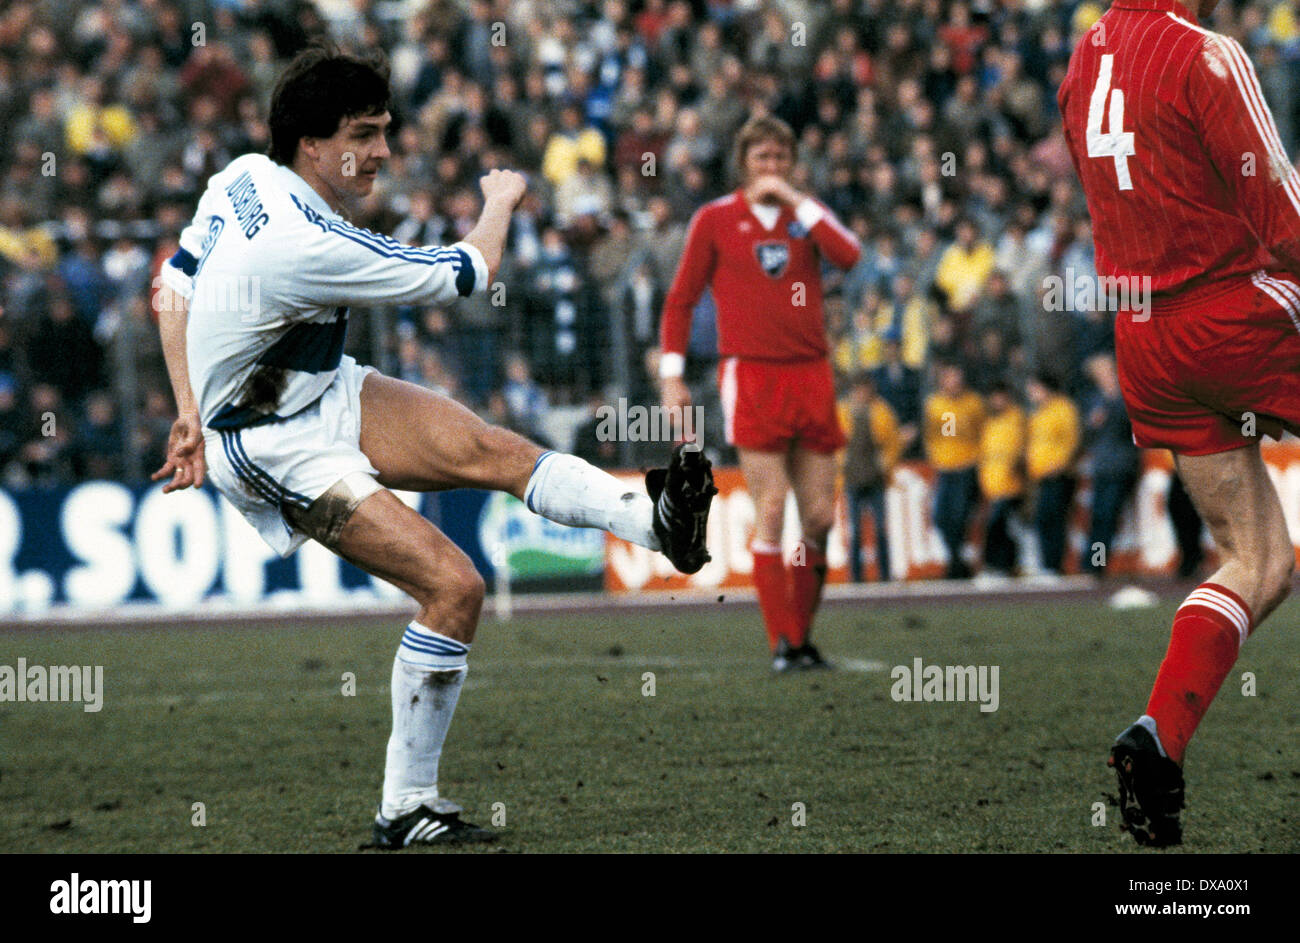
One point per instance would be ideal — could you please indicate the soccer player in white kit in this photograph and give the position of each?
(305, 442)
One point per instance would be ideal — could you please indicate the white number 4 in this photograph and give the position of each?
(1116, 143)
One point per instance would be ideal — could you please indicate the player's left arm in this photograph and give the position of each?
(833, 240)
(1242, 141)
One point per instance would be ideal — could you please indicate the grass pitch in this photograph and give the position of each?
(555, 730)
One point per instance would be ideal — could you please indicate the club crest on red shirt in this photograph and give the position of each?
(773, 257)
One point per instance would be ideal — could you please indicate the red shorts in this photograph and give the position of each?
(768, 407)
(1217, 373)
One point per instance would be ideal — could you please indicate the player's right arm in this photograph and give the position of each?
(1242, 141)
(693, 275)
(185, 461)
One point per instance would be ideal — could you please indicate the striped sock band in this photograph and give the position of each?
(425, 648)
(1223, 602)
(1209, 629)
(538, 476)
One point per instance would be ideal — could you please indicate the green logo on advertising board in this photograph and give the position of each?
(534, 547)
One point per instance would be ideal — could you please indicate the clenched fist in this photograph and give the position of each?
(504, 185)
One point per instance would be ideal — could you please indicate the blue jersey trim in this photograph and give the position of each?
(184, 261)
(465, 278)
(229, 418)
(386, 246)
(309, 347)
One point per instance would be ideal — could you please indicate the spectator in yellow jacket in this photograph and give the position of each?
(904, 316)
(954, 418)
(91, 125)
(1001, 476)
(875, 443)
(860, 347)
(964, 267)
(569, 144)
(1053, 445)
(25, 246)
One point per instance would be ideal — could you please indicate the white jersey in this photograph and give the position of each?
(270, 271)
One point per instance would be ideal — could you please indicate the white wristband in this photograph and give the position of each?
(671, 365)
(809, 212)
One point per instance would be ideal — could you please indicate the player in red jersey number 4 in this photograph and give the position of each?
(1189, 186)
(760, 249)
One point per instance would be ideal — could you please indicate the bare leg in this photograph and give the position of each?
(421, 441)
(812, 475)
(387, 539)
(768, 483)
(1233, 493)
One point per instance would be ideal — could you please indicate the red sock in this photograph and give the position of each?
(806, 581)
(773, 594)
(1209, 628)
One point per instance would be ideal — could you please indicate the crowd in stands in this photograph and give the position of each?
(928, 126)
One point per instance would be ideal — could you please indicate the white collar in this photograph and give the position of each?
(766, 214)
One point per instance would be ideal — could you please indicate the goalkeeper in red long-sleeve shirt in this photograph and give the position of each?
(760, 250)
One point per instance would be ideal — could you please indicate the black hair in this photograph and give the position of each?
(318, 90)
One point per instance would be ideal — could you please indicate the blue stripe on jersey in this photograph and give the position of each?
(309, 347)
(184, 261)
(391, 249)
(240, 417)
(385, 245)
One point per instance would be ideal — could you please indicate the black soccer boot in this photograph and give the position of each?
(1150, 789)
(682, 493)
(784, 658)
(809, 659)
(428, 826)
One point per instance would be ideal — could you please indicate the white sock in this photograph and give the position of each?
(428, 673)
(567, 490)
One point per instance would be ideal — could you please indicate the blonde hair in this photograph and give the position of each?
(756, 130)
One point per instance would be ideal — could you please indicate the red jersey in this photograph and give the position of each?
(1186, 178)
(766, 282)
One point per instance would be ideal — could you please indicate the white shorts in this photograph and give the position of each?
(293, 461)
